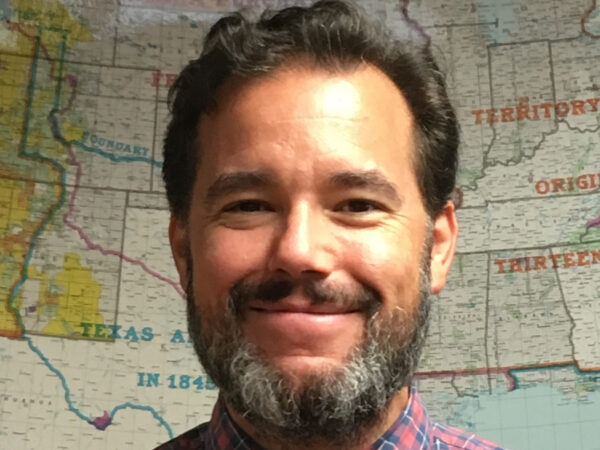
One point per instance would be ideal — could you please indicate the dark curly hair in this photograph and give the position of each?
(333, 35)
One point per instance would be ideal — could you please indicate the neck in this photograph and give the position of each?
(395, 407)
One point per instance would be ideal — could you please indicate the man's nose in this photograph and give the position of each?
(303, 245)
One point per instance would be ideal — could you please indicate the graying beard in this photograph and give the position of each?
(335, 407)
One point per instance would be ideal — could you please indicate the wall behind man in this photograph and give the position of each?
(94, 350)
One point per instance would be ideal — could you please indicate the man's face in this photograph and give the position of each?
(306, 178)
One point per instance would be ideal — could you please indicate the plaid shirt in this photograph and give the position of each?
(412, 430)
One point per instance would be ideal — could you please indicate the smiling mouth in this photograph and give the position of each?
(299, 307)
(296, 325)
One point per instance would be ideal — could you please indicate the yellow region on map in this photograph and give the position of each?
(33, 45)
(12, 96)
(15, 229)
(72, 297)
(52, 16)
(71, 132)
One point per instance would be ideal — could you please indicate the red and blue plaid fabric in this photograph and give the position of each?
(413, 430)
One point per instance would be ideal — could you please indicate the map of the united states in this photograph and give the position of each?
(94, 349)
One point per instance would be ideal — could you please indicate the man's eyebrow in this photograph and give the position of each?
(229, 183)
(367, 179)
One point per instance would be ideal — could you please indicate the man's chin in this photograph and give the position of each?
(300, 370)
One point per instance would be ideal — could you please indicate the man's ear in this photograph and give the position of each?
(178, 238)
(445, 232)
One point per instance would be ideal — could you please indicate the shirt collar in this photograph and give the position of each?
(412, 428)
(223, 433)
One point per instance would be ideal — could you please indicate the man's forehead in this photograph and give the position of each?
(299, 86)
(354, 120)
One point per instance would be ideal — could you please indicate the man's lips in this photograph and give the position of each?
(299, 306)
(295, 325)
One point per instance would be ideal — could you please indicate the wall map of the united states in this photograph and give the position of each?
(94, 350)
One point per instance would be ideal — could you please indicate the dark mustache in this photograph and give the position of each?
(362, 298)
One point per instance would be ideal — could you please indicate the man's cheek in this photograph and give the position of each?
(226, 259)
(374, 255)
(392, 269)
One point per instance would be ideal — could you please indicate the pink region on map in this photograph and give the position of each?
(102, 422)
(593, 223)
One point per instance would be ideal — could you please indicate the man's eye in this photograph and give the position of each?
(248, 206)
(359, 206)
